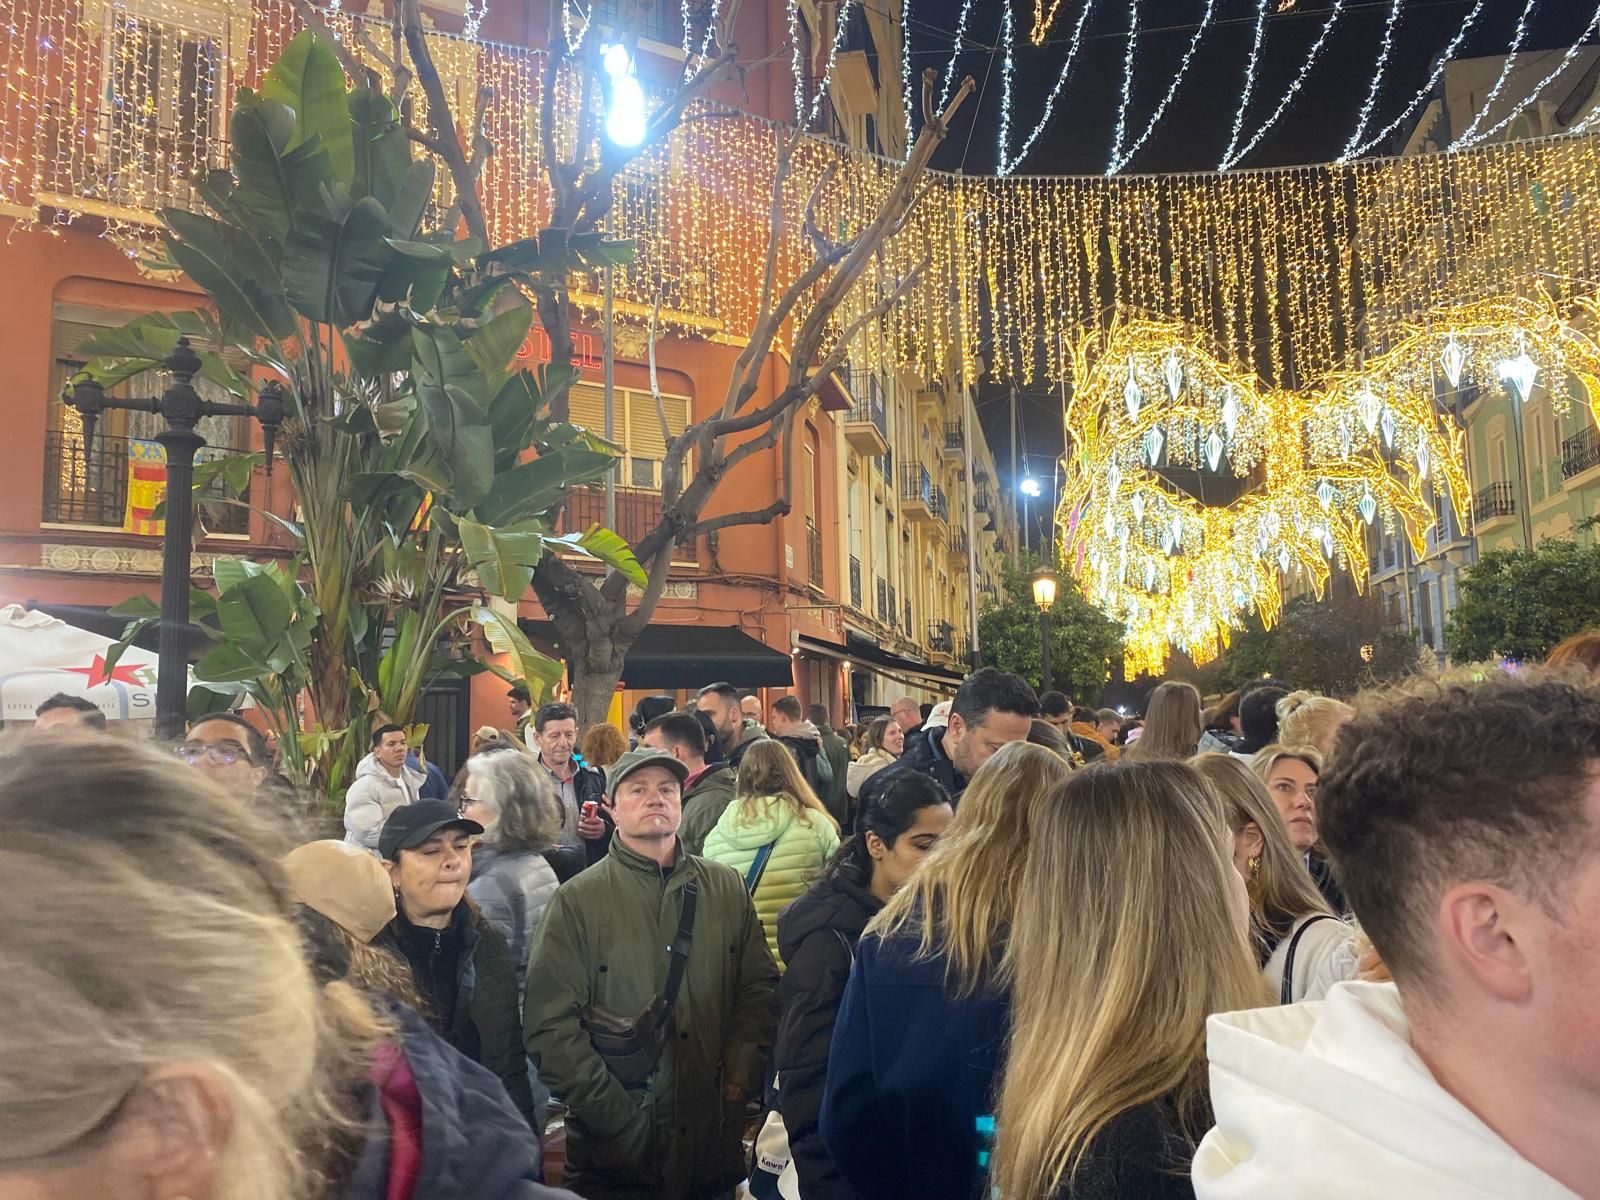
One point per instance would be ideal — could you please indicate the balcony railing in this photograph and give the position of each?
(894, 610)
(855, 582)
(941, 637)
(1496, 500)
(916, 484)
(958, 541)
(814, 553)
(638, 512)
(1580, 452)
(940, 505)
(96, 492)
(883, 600)
(952, 435)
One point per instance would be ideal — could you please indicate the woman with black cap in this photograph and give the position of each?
(459, 962)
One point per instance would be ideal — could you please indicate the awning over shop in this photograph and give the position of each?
(99, 619)
(869, 656)
(670, 657)
(40, 656)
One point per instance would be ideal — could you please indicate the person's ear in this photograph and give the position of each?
(394, 871)
(174, 1132)
(956, 726)
(875, 846)
(1483, 930)
(1250, 840)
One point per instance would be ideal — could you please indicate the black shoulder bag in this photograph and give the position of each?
(632, 1048)
(1286, 992)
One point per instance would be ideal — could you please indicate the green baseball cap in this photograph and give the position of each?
(633, 760)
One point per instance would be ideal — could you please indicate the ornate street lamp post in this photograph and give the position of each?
(1044, 595)
(182, 408)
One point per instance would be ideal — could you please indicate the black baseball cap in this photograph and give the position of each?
(412, 824)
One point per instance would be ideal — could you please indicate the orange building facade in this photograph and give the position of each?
(779, 606)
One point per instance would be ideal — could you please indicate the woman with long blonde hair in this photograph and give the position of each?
(1295, 933)
(776, 833)
(1130, 938)
(1173, 723)
(923, 1022)
(164, 1034)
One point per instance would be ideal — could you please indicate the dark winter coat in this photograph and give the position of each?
(590, 784)
(465, 976)
(1322, 875)
(1141, 1154)
(837, 753)
(440, 1127)
(817, 935)
(511, 889)
(911, 1073)
(603, 941)
(927, 755)
(703, 805)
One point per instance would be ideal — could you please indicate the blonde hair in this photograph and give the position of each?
(157, 933)
(1172, 723)
(1270, 756)
(960, 902)
(1306, 719)
(1281, 890)
(1127, 944)
(769, 775)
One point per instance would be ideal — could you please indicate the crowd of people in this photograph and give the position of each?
(1003, 947)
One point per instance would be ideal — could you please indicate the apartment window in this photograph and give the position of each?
(164, 111)
(1497, 456)
(95, 492)
(636, 427)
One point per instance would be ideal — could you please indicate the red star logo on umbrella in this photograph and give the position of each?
(97, 673)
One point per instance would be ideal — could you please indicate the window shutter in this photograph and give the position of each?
(588, 408)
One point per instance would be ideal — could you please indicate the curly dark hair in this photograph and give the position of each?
(1437, 784)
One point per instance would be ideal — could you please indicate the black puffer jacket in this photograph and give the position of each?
(927, 755)
(474, 1145)
(465, 975)
(817, 935)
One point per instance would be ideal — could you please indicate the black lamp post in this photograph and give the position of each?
(1044, 595)
(181, 407)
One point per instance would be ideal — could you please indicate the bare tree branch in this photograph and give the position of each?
(440, 120)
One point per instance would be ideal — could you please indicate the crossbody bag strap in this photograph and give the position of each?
(679, 950)
(1286, 992)
(752, 879)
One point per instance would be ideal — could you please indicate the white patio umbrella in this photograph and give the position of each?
(41, 655)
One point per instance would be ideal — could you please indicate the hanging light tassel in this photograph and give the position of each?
(1422, 457)
(1387, 424)
(1131, 395)
(1230, 410)
(1368, 406)
(1452, 360)
(1172, 372)
(1368, 506)
(1213, 450)
(1325, 494)
(1153, 442)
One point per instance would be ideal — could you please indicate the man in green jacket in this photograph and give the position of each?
(837, 753)
(604, 941)
(708, 789)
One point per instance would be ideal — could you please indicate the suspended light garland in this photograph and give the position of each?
(1007, 163)
(949, 84)
(1423, 93)
(1377, 78)
(1229, 161)
(1127, 85)
(1262, 7)
(1007, 71)
(1470, 135)
(1172, 90)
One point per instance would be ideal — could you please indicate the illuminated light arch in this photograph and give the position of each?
(1367, 445)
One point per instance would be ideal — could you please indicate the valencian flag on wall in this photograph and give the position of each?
(147, 486)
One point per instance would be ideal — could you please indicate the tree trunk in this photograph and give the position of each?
(596, 664)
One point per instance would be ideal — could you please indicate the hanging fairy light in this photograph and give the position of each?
(1519, 374)
(1452, 358)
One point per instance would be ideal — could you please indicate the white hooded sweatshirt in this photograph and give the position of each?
(1328, 1101)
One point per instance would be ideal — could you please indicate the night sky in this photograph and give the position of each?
(1194, 131)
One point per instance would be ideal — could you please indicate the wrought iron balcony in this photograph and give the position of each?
(96, 492)
(855, 582)
(1580, 452)
(941, 637)
(638, 512)
(814, 553)
(1496, 500)
(883, 609)
(954, 443)
(916, 493)
(866, 427)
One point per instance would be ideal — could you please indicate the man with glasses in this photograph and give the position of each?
(230, 749)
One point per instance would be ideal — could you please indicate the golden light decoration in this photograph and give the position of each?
(1366, 446)
(1287, 275)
